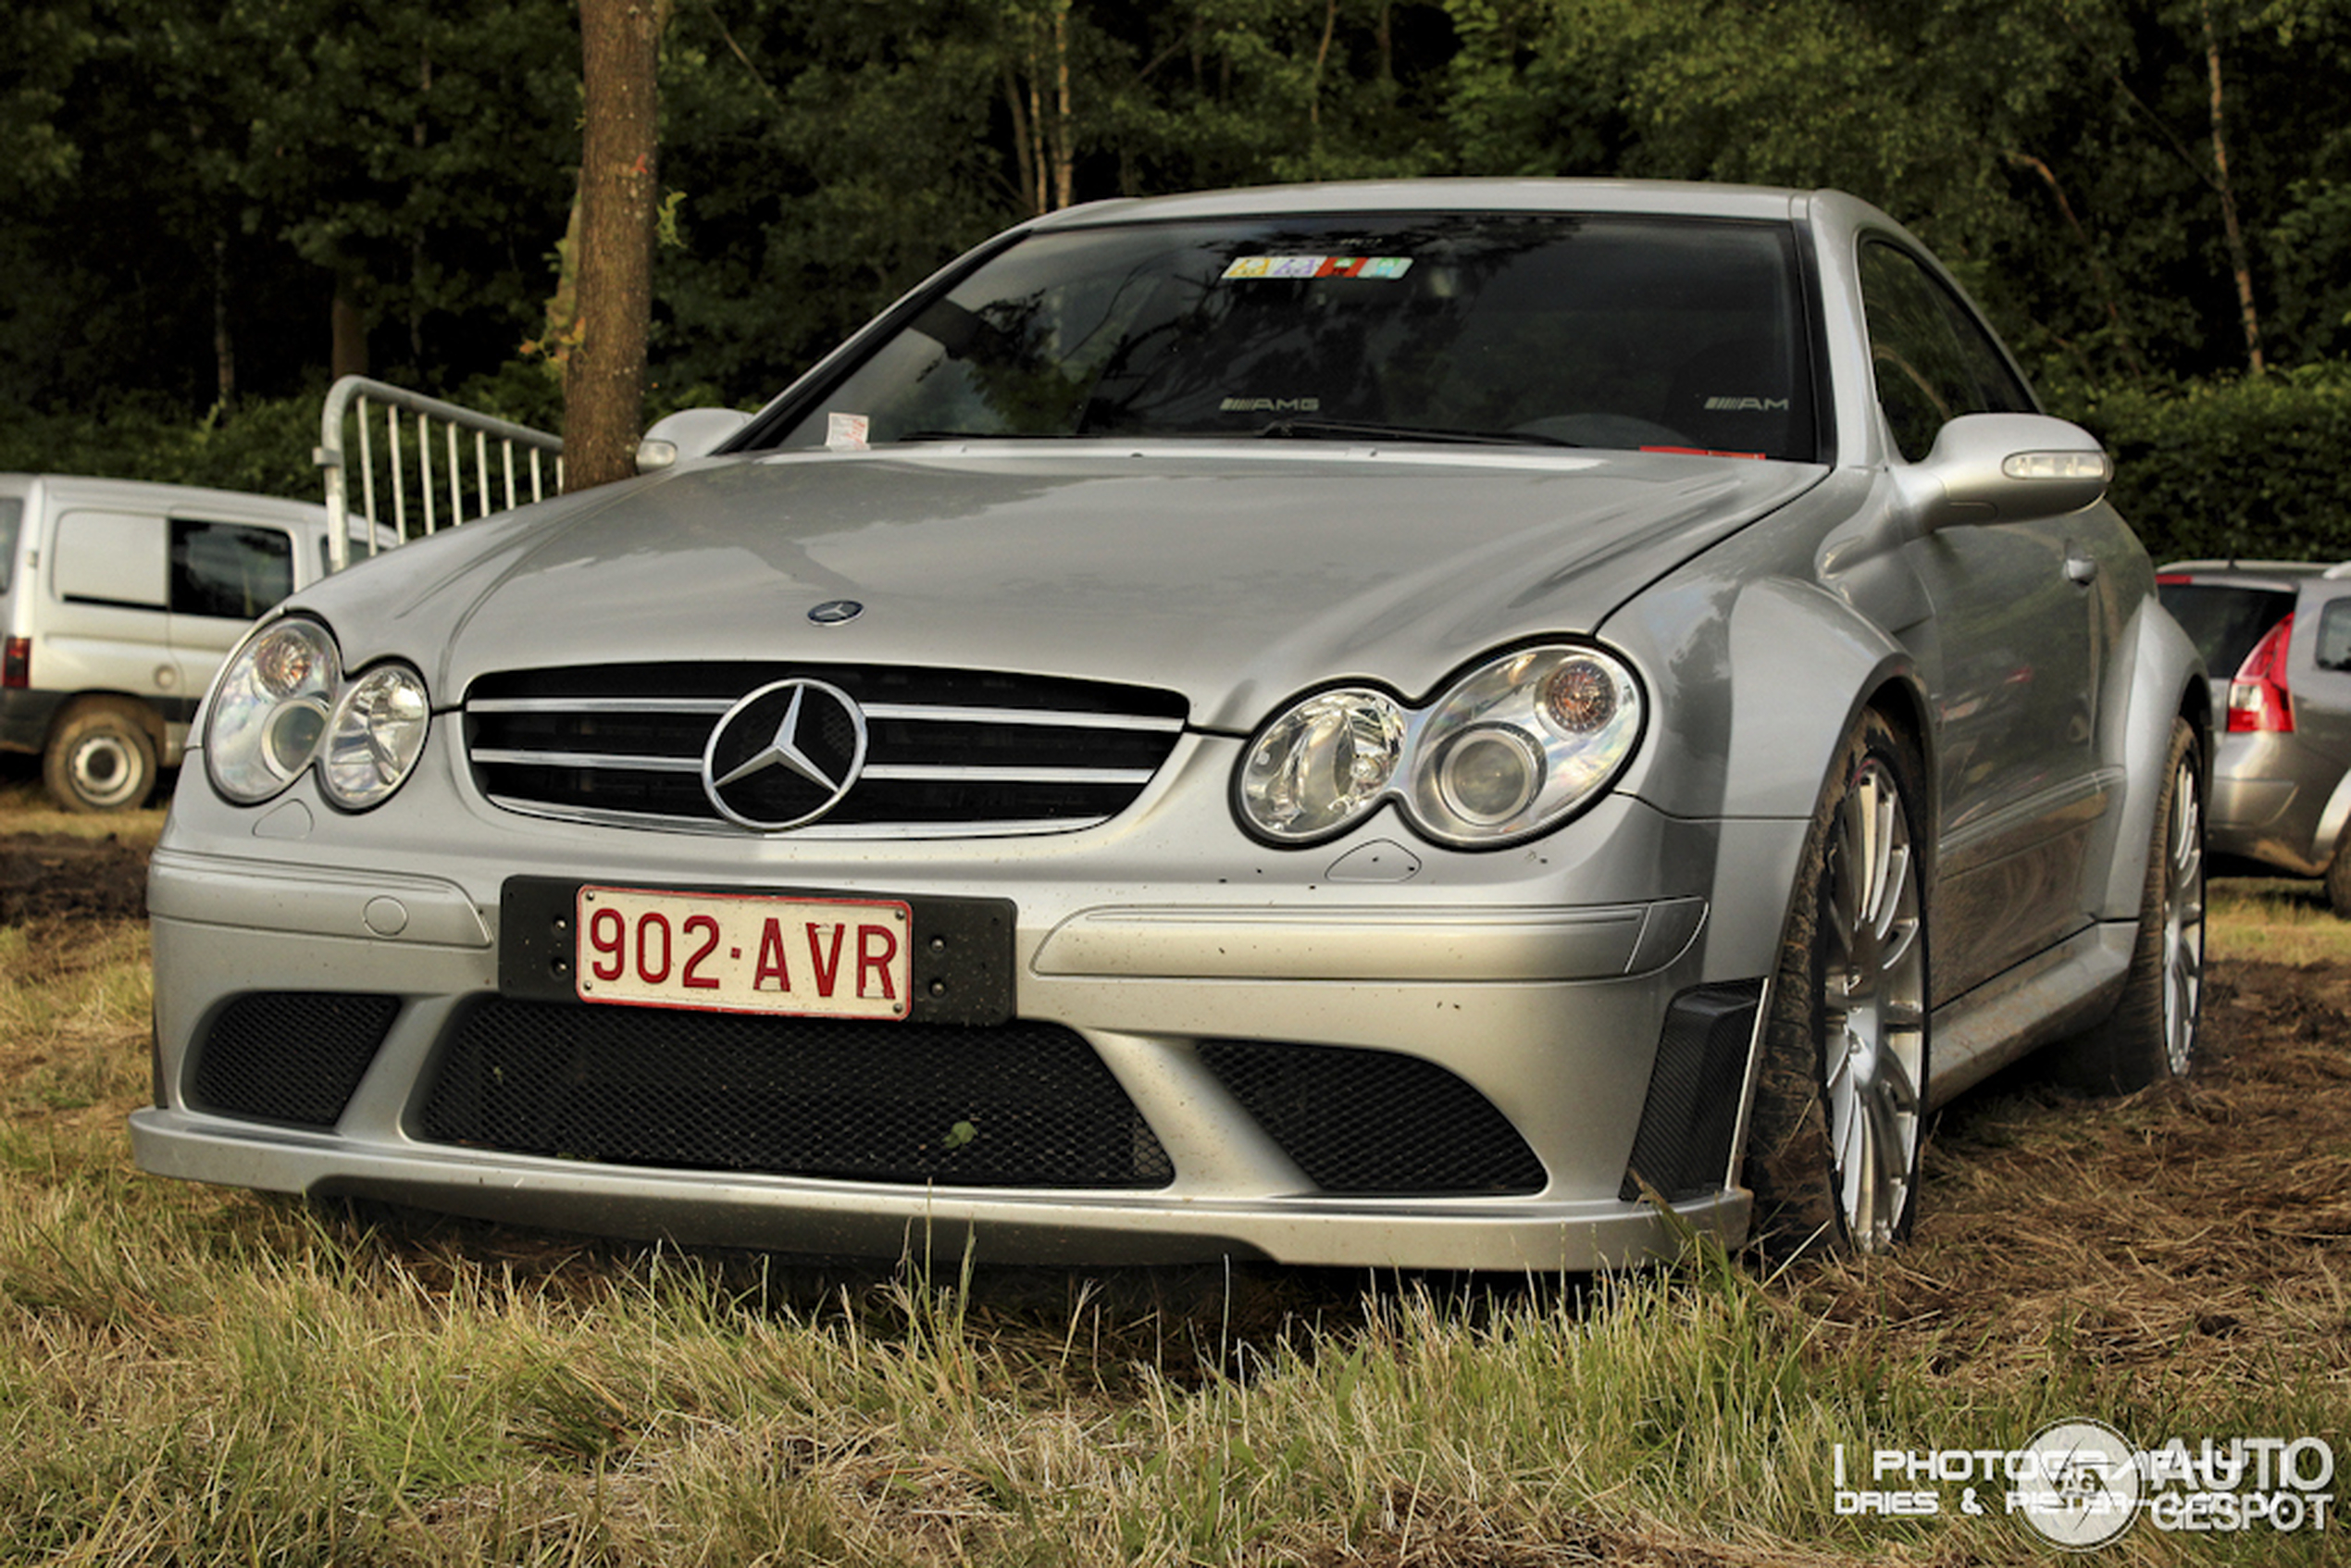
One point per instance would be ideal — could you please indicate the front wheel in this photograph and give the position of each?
(1833, 1141)
(2151, 1035)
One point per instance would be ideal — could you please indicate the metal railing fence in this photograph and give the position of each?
(422, 493)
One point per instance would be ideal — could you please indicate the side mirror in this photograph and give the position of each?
(2006, 468)
(690, 432)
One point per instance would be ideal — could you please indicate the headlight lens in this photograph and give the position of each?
(1520, 742)
(1323, 764)
(270, 708)
(1509, 750)
(281, 703)
(375, 737)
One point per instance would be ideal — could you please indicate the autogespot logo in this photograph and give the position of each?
(2079, 1485)
(784, 755)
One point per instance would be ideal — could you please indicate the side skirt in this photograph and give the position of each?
(2057, 993)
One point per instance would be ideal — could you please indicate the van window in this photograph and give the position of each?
(11, 519)
(232, 570)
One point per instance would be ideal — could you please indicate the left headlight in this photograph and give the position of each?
(1519, 743)
(1509, 750)
(281, 703)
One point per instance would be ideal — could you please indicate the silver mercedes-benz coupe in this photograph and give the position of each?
(1466, 724)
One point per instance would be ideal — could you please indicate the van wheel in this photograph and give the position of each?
(2339, 878)
(100, 758)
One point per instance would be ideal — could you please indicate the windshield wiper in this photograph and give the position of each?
(1352, 429)
(980, 435)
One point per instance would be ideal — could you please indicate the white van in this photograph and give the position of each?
(117, 601)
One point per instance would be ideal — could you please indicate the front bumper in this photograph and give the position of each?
(1541, 980)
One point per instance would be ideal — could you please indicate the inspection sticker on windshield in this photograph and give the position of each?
(1318, 267)
(847, 433)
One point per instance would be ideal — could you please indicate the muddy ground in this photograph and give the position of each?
(53, 877)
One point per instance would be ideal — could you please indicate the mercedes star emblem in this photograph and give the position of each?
(835, 612)
(784, 755)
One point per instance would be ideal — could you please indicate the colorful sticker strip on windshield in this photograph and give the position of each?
(1318, 267)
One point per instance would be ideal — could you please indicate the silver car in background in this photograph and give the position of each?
(1469, 724)
(2276, 640)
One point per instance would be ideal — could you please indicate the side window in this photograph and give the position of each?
(11, 520)
(232, 570)
(1932, 360)
(2335, 635)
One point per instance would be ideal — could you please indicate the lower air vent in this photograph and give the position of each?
(1376, 1121)
(1026, 1105)
(289, 1056)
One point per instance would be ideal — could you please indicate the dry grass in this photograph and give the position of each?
(190, 1375)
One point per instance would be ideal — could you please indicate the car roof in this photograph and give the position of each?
(1665, 197)
(2283, 575)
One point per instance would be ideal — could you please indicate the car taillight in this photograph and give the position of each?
(2258, 700)
(16, 663)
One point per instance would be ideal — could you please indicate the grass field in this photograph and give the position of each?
(196, 1376)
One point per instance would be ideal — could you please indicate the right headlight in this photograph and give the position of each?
(270, 708)
(281, 704)
(1510, 750)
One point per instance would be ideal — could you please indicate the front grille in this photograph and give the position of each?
(949, 751)
(289, 1056)
(1019, 1104)
(1376, 1121)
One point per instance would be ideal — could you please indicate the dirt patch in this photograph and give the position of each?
(52, 876)
(2202, 1227)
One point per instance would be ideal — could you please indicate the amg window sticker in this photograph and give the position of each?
(1318, 267)
(1271, 405)
(1746, 405)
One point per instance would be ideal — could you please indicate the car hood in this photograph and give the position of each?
(1234, 576)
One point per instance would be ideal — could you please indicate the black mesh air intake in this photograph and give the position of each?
(1020, 1104)
(289, 1056)
(1376, 1121)
(1684, 1147)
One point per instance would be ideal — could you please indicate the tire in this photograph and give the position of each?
(1839, 1120)
(100, 758)
(2339, 878)
(2150, 1037)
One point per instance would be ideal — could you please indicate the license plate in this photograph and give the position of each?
(829, 958)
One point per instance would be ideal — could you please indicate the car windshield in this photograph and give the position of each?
(1544, 329)
(2223, 622)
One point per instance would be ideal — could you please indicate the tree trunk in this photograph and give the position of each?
(348, 350)
(224, 344)
(2238, 260)
(604, 375)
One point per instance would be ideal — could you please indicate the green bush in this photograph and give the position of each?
(2250, 467)
(263, 446)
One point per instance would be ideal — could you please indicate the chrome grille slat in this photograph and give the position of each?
(907, 772)
(949, 752)
(711, 705)
(936, 714)
(500, 755)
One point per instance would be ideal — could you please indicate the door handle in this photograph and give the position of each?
(2080, 569)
